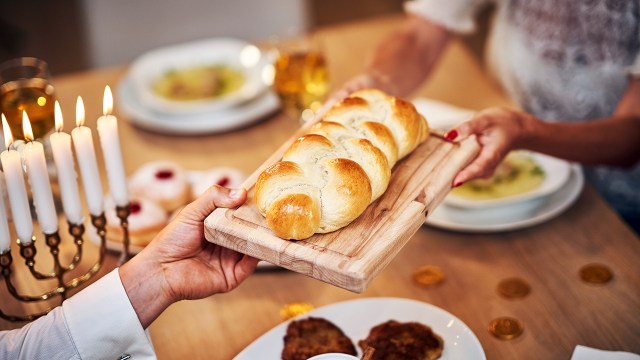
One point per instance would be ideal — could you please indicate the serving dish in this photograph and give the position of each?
(555, 173)
(236, 55)
(515, 216)
(357, 317)
(351, 256)
(209, 122)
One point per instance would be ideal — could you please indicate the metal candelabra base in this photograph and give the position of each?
(28, 253)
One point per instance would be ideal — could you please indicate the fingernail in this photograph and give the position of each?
(234, 193)
(457, 184)
(451, 135)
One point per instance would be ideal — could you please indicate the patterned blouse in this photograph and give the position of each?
(561, 60)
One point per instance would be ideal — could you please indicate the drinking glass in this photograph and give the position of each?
(300, 79)
(25, 85)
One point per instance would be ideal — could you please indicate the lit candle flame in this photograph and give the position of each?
(107, 101)
(79, 112)
(58, 117)
(26, 127)
(8, 138)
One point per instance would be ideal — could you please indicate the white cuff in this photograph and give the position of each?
(103, 324)
(454, 15)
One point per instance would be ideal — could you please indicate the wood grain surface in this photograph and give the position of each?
(350, 257)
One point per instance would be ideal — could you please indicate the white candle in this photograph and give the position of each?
(39, 180)
(5, 237)
(18, 200)
(110, 143)
(67, 179)
(86, 154)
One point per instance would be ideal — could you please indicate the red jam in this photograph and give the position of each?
(223, 182)
(135, 207)
(164, 174)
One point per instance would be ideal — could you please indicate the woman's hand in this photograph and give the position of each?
(180, 264)
(498, 131)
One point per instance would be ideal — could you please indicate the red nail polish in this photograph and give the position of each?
(451, 135)
(457, 184)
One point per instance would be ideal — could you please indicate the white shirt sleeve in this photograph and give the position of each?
(104, 325)
(455, 15)
(96, 323)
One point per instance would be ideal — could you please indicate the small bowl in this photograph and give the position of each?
(333, 356)
(236, 54)
(556, 172)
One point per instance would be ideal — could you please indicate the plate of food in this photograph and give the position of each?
(512, 216)
(521, 176)
(221, 120)
(373, 322)
(199, 76)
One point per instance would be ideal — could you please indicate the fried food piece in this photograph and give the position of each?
(314, 336)
(394, 340)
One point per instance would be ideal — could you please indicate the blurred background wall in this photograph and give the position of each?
(73, 35)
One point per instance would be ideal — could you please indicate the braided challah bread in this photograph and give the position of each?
(329, 176)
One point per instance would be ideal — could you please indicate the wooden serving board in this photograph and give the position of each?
(352, 256)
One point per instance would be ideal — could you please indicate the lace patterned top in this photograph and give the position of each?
(561, 60)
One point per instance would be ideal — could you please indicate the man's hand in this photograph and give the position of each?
(180, 264)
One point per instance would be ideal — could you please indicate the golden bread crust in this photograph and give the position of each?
(342, 165)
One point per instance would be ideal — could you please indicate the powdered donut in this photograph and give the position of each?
(146, 219)
(164, 182)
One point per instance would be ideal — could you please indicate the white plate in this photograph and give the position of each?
(236, 54)
(357, 317)
(556, 174)
(441, 115)
(193, 124)
(510, 217)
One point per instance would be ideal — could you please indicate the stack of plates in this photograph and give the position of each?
(252, 101)
(560, 188)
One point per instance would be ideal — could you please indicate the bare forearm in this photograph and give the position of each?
(405, 59)
(143, 282)
(612, 141)
(608, 141)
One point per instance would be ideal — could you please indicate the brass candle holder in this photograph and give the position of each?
(28, 253)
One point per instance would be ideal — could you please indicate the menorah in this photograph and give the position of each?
(28, 253)
(32, 158)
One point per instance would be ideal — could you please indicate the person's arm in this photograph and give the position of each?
(98, 322)
(108, 318)
(180, 264)
(607, 141)
(402, 61)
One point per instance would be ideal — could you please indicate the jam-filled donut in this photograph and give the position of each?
(145, 220)
(224, 176)
(163, 182)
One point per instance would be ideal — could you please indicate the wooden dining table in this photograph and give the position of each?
(560, 312)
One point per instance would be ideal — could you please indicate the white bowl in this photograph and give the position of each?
(237, 54)
(556, 172)
(333, 356)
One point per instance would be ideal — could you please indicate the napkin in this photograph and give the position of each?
(586, 353)
(441, 115)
